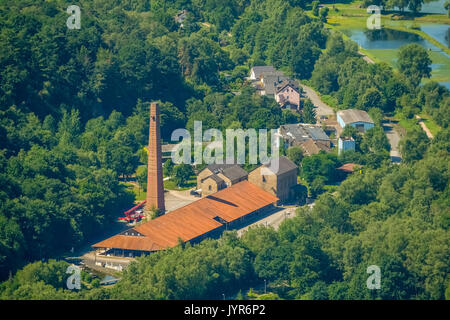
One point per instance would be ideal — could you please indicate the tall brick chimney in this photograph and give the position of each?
(155, 187)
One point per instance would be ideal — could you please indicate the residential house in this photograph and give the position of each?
(311, 138)
(257, 72)
(287, 94)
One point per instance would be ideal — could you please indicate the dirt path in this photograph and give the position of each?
(424, 127)
(322, 108)
(366, 58)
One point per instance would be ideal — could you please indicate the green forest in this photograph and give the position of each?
(74, 108)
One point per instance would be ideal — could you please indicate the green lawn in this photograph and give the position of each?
(171, 185)
(138, 192)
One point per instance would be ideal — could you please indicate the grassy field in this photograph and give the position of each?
(410, 124)
(170, 185)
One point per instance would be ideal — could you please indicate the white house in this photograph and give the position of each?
(356, 118)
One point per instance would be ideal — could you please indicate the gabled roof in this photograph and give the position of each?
(316, 133)
(218, 167)
(231, 171)
(354, 115)
(214, 177)
(291, 83)
(303, 132)
(260, 70)
(312, 147)
(271, 81)
(194, 219)
(284, 165)
(349, 167)
(234, 173)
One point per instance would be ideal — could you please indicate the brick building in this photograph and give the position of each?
(216, 177)
(278, 183)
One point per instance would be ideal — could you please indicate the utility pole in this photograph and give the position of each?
(265, 286)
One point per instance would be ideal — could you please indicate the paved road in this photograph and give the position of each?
(273, 220)
(394, 138)
(424, 127)
(322, 108)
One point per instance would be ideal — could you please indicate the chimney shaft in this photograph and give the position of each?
(155, 187)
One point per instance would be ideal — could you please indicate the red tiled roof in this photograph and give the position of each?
(194, 219)
(349, 167)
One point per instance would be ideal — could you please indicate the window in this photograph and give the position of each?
(209, 188)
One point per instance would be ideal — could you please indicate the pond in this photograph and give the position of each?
(387, 39)
(432, 7)
(440, 32)
(384, 44)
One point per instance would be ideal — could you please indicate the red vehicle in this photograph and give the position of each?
(134, 214)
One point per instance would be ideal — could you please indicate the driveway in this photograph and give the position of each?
(394, 138)
(322, 109)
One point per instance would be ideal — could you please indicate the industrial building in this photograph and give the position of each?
(356, 118)
(208, 217)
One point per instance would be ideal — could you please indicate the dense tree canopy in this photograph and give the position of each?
(74, 108)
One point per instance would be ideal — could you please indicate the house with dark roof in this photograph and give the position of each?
(268, 84)
(257, 72)
(266, 79)
(311, 138)
(216, 177)
(277, 182)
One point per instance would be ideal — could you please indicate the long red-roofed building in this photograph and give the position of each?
(204, 218)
